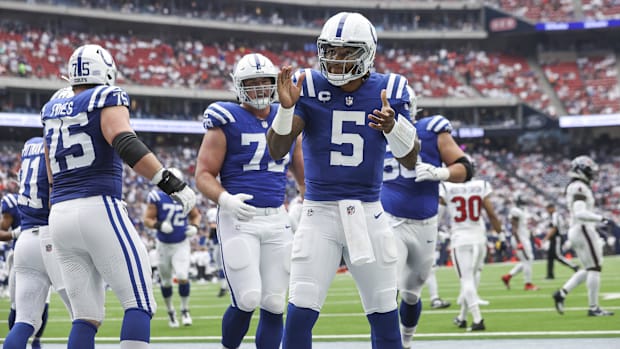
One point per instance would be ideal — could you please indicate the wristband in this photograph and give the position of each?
(402, 138)
(283, 121)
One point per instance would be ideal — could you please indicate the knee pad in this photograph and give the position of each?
(273, 303)
(248, 300)
(236, 254)
(409, 297)
(305, 295)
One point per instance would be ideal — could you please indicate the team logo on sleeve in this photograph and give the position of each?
(48, 248)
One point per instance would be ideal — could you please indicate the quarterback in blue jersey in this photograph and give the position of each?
(35, 265)
(174, 228)
(253, 227)
(87, 137)
(411, 200)
(348, 116)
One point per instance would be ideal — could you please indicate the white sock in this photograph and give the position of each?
(593, 283)
(475, 313)
(127, 344)
(406, 333)
(184, 303)
(169, 305)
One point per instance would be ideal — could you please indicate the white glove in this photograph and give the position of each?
(236, 204)
(428, 172)
(186, 197)
(191, 230)
(15, 233)
(545, 245)
(165, 227)
(611, 241)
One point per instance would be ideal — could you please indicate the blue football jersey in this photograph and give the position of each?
(8, 205)
(82, 162)
(34, 195)
(401, 195)
(248, 167)
(169, 210)
(343, 156)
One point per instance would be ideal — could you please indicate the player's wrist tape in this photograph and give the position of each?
(283, 121)
(402, 138)
(167, 181)
(157, 225)
(129, 148)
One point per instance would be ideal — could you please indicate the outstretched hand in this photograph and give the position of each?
(288, 92)
(383, 120)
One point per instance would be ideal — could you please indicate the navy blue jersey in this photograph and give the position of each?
(401, 195)
(8, 205)
(248, 168)
(82, 162)
(343, 156)
(34, 195)
(171, 211)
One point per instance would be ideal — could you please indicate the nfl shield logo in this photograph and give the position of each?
(48, 248)
(348, 100)
(350, 210)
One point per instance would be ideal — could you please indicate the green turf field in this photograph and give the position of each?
(511, 314)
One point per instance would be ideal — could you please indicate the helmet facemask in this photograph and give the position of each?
(351, 57)
(259, 95)
(254, 80)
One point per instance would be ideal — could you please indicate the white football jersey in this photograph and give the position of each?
(464, 205)
(579, 188)
(521, 216)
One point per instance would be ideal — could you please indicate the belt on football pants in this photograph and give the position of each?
(268, 211)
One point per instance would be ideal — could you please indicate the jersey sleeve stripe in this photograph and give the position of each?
(441, 125)
(310, 83)
(94, 98)
(401, 87)
(10, 201)
(153, 196)
(104, 95)
(223, 113)
(389, 90)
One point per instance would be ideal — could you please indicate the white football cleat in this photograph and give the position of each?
(172, 321)
(186, 319)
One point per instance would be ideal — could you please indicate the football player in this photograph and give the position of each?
(521, 242)
(553, 241)
(87, 137)
(10, 225)
(464, 203)
(410, 198)
(582, 235)
(348, 115)
(36, 268)
(174, 228)
(253, 228)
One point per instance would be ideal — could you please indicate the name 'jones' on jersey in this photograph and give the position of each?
(82, 162)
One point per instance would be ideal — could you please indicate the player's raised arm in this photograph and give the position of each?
(401, 135)
(285, 127)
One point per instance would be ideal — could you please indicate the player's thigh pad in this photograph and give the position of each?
(110, 249)
(48, 253)
(275, 259)
(588, 245)
(240, 257)
(181, 260)
(164, 265)
(317, 250)
(420, 238)
(377, 281)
